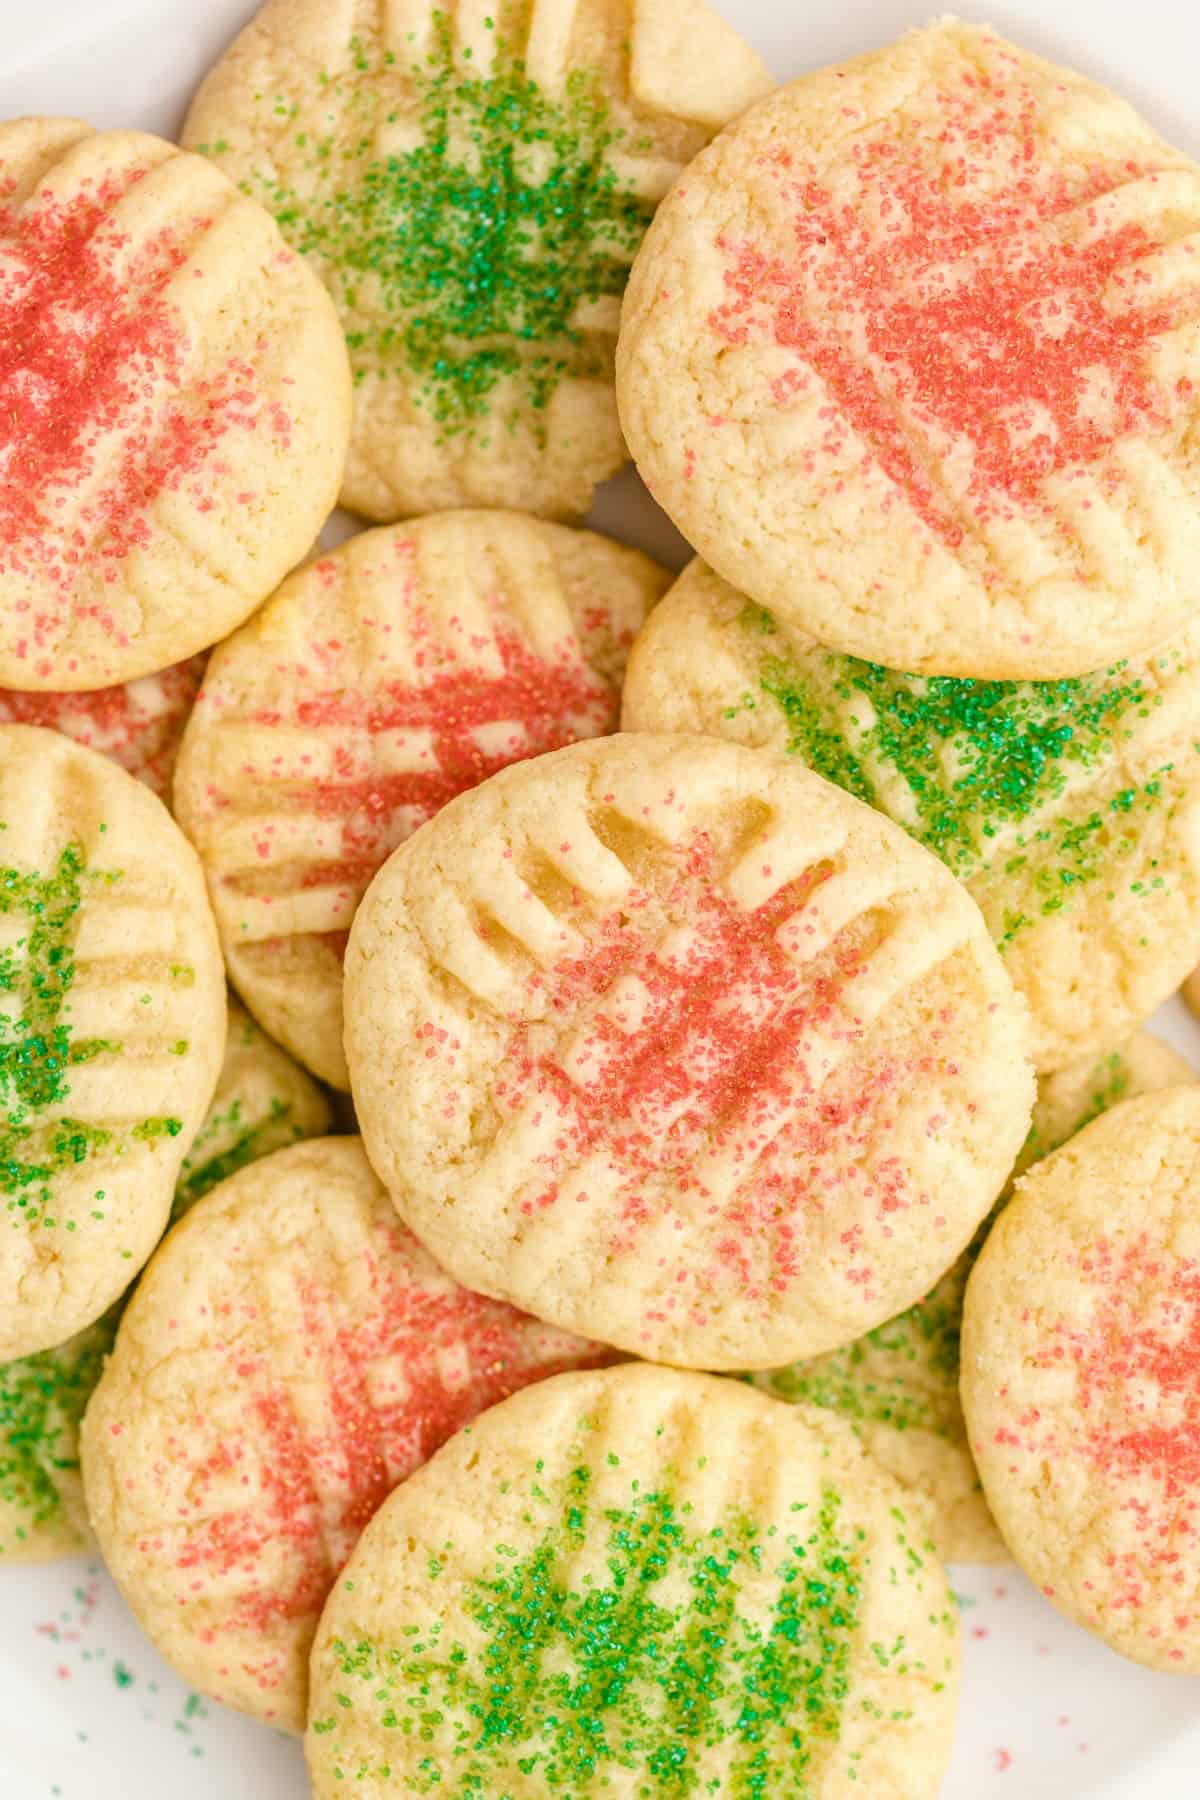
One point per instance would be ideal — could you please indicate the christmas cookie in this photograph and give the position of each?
(1071, 809)
(379, 682)
(471, 182)
(111, 1031)
(909, 357)
(680, 1046)
(263, 1101)
(289, 1356)
(1081, 1377)
(898, 1386)
(176, 412)
(639, 1581)
(138, 725)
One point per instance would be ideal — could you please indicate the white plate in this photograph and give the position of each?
(87, 1711)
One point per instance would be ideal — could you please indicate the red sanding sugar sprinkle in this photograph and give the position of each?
(102, 411)
(138, 725)
(1136, 1367)
(976, 318)
(711, 1050)
(314, 1459)
(457, 727)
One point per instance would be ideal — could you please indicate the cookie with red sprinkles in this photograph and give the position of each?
(176, 405)
(909, 356)
(680, 1046)
(290, 1355)
(380, 681)
(1081, 1377)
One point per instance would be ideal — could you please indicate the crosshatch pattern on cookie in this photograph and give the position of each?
(329, 1359)
(956, 336)
(380, 683)
(623, 1602)
(993, 333)
(471, 184)
(110, 1014)
(1068, 807)
(151, 418)
(701, 1026)
(898, 1386)
(138, 725)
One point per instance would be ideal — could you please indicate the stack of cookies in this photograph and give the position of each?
(684, 1160)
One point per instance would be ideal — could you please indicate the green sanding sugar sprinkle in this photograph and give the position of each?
(42, 1400)
(463, 259)
(624, 1641)
(39, 1138)
(242, 1141)
(37, 1050)
(903, 1374)
(975, 759)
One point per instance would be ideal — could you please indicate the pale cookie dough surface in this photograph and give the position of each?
(262, 1103)
(1081, 1377)
(138, 725)
(112, 1027)
(642, 1576)
(910, 356)
(676, 1044)
(290, 1355)
(471, 183)
(1071, 809)
(898, 1386)
(177, 405)
(379, 682)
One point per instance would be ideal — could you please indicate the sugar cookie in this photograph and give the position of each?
(139, 725)
(471, 182)
(112, 1025)
(1081, 1377)
(290, 1354)
(177, 405)
(1071, 809)
(378, 683)
(639, 1581)
(680, 1046)
(909, 357)
(263, 1101)
(898, 1386)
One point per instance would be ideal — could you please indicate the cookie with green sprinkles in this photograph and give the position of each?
(639, 1581)
(471, 183)
(42, 1400)
(112, 1026)
(263, 1102)
(1069, 808)
(898, 1387)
